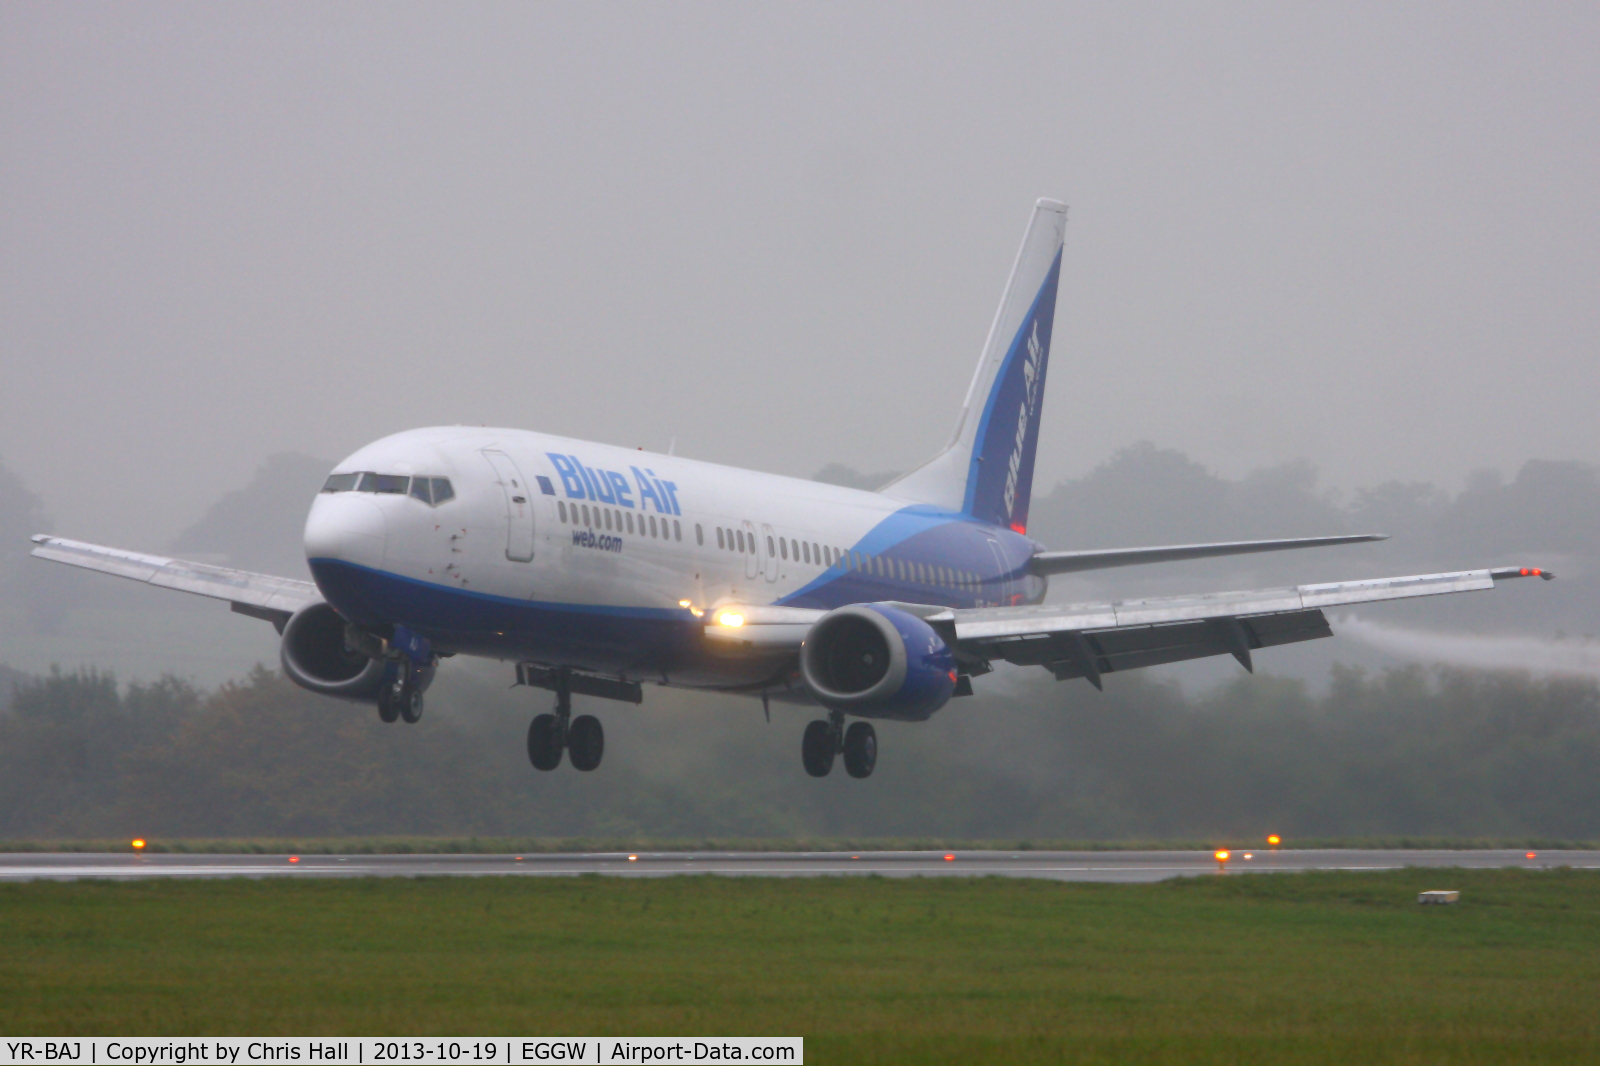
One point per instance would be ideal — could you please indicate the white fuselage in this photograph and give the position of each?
(588, 555)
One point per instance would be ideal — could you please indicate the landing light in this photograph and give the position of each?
(137, 845)
(728, 618)
(683, 603)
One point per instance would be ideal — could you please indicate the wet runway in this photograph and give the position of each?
(1111, 866)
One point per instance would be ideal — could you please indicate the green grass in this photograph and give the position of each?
(1290, 968)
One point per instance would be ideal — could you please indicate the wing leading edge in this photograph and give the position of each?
(1045, 563)
(257, 595)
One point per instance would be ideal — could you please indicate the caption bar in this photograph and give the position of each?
(235, 1051)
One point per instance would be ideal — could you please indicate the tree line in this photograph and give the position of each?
(1404, 752)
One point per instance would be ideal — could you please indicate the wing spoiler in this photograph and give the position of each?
(1045, 563)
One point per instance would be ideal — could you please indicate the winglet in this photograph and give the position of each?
(1506, 573)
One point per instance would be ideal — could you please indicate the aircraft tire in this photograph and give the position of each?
(410, 701)
(586, 741)
(544, 742)
(860, 749)
(816, 748)
(388, 709)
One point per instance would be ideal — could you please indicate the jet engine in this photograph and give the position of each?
(316, 656)
(876, 661)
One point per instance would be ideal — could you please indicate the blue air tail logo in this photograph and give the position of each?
(614, 489)
(1031, 373)
(1000, 473)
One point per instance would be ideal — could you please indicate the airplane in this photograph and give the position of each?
(597, 570)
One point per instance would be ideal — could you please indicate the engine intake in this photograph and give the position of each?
(315, 656)
(877, 661)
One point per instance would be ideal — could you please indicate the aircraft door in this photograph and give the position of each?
(752, 557)
(519, 506)
(768, 548)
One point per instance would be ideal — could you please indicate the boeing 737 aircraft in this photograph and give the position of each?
(597, 570)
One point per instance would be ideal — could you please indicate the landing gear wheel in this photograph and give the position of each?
(410, 701)
(544, 742)
(860, 749)
(816, 748)
(388, 709)
(586, 741)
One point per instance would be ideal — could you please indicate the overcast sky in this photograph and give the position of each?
(1364, 235)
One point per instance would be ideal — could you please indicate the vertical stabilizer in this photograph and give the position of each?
(987, 469)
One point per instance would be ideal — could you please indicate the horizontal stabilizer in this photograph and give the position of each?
(1045, 563)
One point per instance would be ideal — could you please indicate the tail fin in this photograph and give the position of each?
(987, 468)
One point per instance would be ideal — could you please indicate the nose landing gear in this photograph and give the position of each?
(551, 734)
(402, 698)
(825, 739)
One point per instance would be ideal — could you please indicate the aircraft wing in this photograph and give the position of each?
(1070, 562)
(1092, 639)
(257, 595)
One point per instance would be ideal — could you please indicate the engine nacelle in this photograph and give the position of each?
(315, 656)
(876, 661)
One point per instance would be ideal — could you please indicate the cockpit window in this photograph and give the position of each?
(340, 482)
(393, 484)
(430, 490)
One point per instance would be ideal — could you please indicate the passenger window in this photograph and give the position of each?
(340, 482)
(719, 538)
(772, 549)
(608, 519)
(419, 489)
(442, 490)
(586, 515)
(699, 535)
(677, 530)
(739, 535)
(653, 525)
(783, 547)
(561, 509)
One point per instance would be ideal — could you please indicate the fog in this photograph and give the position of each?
(1548, 657)
(1364, 236)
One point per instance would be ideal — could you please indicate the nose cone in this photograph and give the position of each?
(345, 527)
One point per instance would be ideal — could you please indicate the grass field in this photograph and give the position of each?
(1283, 968)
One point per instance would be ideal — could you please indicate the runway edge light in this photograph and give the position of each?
(1222, 861)
(137, 844)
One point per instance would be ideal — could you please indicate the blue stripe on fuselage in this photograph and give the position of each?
(610, 638)
(934, 537)
(641, 639)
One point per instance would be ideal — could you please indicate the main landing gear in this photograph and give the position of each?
(825, 739)
(402, 698)
(551, 734)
